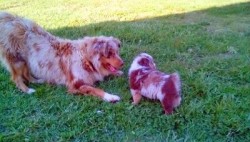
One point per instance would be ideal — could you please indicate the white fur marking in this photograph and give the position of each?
(149, 92)
(31, 91)
(134, 66)
(177, 102)
(110, 98)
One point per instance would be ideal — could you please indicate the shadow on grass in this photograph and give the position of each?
(171, 32)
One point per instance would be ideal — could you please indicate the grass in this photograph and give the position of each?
(207, 42)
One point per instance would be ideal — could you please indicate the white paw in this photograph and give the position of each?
(111, 98)
(119, 73)
(134, 103)
(30, 91)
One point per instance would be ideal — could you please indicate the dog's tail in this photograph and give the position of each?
(4, 17)
(11, 39)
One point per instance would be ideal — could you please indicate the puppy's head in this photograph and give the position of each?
(143, 60)
(105, 55)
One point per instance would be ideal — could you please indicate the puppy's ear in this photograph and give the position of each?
(147, 62)
(144, 62)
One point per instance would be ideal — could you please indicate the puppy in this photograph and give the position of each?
(31, 54)
(145, 80)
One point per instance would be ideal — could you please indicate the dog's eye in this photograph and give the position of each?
(110, 54)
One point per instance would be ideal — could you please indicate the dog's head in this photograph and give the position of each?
(143, 60)
(104, 52)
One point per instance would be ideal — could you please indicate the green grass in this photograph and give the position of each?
(206, 41)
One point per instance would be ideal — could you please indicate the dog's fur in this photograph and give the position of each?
(145, 80)
(31, 54)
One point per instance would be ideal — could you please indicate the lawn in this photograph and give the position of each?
(206, 41)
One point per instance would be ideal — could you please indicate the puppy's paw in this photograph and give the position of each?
(31, 91)
(111, 98)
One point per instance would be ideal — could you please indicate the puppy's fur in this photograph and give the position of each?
(145, 80)
(31, 54)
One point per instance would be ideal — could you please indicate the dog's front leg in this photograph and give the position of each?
(87, 89)
(99, 93)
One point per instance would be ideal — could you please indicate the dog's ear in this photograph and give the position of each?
(101, 46)
(106, 45)
(118, 42)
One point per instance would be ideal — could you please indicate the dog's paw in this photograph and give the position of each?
(119, 73)
(111, 98)
(134, 103)
(31, 91)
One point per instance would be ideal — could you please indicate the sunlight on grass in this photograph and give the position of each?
(70, 13)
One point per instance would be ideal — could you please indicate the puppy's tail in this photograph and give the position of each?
(175, 78)
(171, 89)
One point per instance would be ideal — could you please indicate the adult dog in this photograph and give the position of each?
(145, 80)
(31, 54)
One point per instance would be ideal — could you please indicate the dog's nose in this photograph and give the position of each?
(122, 63)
